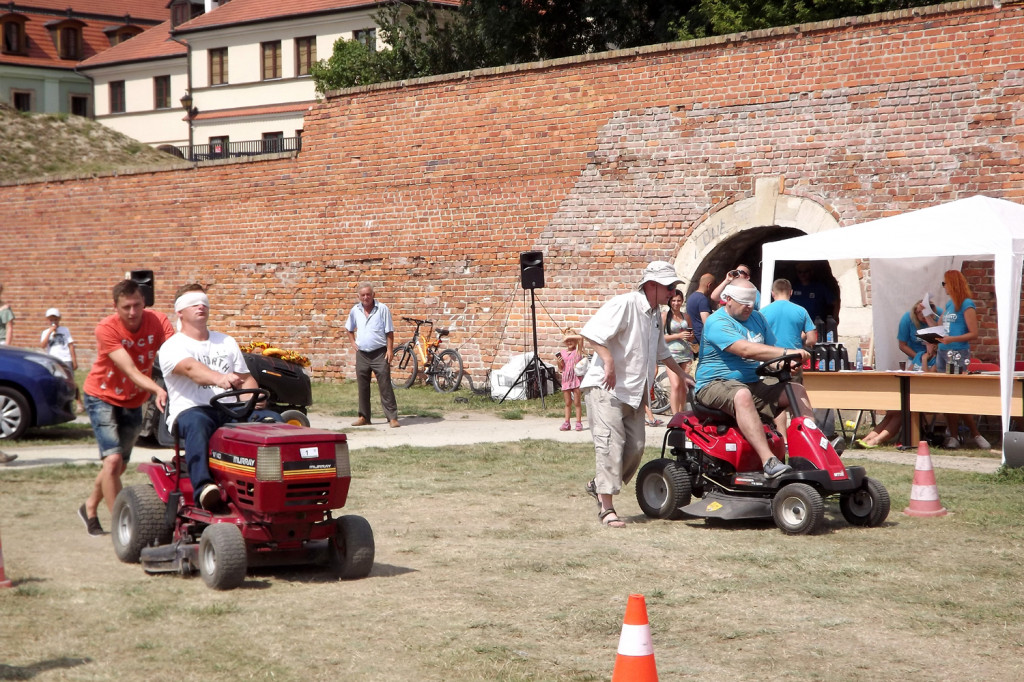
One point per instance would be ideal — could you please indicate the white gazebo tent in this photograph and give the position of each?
(935, 238)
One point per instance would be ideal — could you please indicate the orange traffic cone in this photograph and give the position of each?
(4, 582)
(924, 494)
(635, 659)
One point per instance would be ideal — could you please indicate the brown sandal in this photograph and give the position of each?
(611, 523)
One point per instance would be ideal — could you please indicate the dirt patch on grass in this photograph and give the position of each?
(491, 565)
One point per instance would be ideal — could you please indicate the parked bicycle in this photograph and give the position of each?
(443, 367)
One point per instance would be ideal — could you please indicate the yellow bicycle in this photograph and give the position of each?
(444, 367)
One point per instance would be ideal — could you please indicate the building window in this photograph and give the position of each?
(69, 42)
(366, 36)
(122, 34)
(183, 11)
(161, 92)
(219, 147)
(271, 54)
(21, 100)
(14, 38)
(273, 142)
(116, 97)
(80, 105)
(219, 66)
(305, 55)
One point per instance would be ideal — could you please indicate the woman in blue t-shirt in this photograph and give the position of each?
(960, 319)
(922, 356)
(910, 343)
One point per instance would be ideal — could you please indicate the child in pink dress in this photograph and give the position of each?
(566, 361)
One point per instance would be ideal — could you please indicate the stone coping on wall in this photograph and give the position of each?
(679, 46)
(156, 168)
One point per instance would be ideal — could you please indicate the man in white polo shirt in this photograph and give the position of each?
(372, 334)
(628, 343)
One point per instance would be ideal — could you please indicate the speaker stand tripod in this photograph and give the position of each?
(533, 364)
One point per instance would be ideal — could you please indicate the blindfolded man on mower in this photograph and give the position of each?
(199, 364)
(735, 341)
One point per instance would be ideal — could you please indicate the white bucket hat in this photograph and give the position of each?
(661, 272)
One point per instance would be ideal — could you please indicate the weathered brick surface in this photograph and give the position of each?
(432, 188)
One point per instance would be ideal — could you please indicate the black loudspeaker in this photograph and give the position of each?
(531, 267)
(144, 278)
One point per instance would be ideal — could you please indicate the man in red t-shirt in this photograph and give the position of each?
(118, 386)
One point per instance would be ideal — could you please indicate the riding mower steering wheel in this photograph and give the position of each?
(242, 409)
(781, 369)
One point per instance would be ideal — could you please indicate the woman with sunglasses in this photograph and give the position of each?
(960, 319)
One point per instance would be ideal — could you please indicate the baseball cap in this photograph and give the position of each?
(52, 311)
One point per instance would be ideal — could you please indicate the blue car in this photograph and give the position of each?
(35, 390)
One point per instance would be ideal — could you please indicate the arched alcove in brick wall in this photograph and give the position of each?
(734, 231)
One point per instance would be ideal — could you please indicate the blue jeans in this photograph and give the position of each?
(195, 426)
(116, 428)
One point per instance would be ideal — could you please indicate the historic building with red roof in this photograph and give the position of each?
(43, 41)
(243, 67)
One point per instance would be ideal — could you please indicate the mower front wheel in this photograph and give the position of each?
(222, 561)
(866, 506)
(798, 509)
(351, 549)
(662, 487)
(138, 522)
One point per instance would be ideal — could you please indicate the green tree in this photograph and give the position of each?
(719, 17)
(422, 39)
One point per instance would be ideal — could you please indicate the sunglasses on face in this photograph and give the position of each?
(740, 273)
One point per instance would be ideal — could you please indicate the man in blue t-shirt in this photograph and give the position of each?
(813, 295)
(698, 305)
(737, 339)
(792, 325)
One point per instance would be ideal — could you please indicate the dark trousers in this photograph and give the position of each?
(375, 362)
(195, 426)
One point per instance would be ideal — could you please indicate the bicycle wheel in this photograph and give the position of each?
(447, 371)
(662, 402)
(403, 367)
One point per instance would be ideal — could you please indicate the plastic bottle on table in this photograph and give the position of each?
(860, 360)
(831, 330)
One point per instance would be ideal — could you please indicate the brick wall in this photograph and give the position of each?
(431, 188)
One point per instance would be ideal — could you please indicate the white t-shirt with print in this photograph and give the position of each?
(220, 353)
(59, 340)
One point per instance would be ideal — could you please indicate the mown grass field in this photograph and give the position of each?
(491, 565)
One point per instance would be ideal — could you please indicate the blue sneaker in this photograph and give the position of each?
(774, 468)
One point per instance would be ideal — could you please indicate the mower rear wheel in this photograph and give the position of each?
(351, 549)
(295, 418)
(866, 506)
(222, 561)
(138, 522)
(662, 487)
(798, 509)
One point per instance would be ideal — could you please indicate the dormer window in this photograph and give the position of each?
(183, 11)
(13, 34)
(118, 34)
(67, 36)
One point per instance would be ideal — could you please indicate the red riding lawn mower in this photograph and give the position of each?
(704, 455)
(279, 484)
